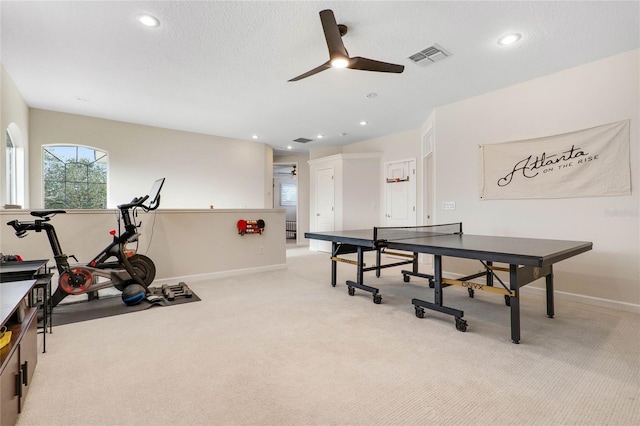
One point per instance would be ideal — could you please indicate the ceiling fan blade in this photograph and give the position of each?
(365, 64)
(316, 70)
(332, 34)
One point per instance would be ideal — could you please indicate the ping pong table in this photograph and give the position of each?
(528, 260)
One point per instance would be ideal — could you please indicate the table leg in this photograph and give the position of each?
(490, 275)
(334, 264)
(359, 282)
(549, 281)
(514, 304)
(421, 305)
(360, 276)
(437, 278)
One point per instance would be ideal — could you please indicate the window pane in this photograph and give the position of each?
(76, 173)
(75, 177)
(97, 196)
(97, 173)
(54, 194)
(288, 194)
(11, 171)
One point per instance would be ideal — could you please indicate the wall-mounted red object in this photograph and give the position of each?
(250, 226)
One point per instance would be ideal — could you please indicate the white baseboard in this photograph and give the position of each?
(217, 275)
(572, 297)
(587, 300)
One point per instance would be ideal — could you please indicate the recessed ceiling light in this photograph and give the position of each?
(509, 39)
(254, 137)
(289, 147)
(320, 136)
(148, 20)
(82, 99)
(363, 123)
(371, 95)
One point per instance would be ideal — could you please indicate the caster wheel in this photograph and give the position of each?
(507, 300)
(406, 278)
(461, 325)
(333, 285)
(352, 291)
(431, 284)
(164, 287)
(188, 294)
(419, 312)
(377, 299)
(471, 292)
(171, 296)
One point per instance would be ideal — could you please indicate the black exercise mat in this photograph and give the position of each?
(67, 313)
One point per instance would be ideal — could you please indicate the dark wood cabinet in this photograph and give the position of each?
(19, 358)
(9, 400)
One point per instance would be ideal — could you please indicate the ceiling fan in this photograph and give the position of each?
(338, 55)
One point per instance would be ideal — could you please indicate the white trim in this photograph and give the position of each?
(220, 274)
(572, 297)
(345, 156)
(587, 300)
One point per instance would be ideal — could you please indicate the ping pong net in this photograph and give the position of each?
(394, 233)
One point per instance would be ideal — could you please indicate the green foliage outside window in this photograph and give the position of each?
(75, 177)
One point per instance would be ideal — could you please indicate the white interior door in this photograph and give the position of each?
(325, 200)
(400, 193)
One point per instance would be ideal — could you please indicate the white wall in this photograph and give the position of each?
(183, 244)
(200, 170)
(13, 110)
(582, 97)
(396, 147)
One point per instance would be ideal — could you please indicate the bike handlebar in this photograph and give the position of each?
(22, 228)
(139, 202)
(136, 202)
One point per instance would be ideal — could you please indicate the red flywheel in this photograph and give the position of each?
(76, 281)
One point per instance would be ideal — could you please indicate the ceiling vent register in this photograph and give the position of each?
(429, 55)
(302, 140)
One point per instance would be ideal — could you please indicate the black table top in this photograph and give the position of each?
(16, 271)
(512, 250)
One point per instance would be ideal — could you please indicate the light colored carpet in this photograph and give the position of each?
(285, 348)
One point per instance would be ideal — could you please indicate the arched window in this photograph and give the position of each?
(75, 177)
(12, 176)
(14, 168)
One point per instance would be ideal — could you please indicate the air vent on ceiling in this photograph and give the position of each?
(302, 140)
(429, 55)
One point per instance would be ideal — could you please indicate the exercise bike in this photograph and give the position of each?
(117, 264)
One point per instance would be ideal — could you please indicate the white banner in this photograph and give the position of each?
(588, 163)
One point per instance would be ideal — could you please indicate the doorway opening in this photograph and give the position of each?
(285, 196)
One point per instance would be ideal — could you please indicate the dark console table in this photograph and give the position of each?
(19, 358)
(41, 292)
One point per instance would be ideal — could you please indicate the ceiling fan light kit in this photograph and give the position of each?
(338, 55)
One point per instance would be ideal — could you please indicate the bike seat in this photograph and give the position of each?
(45, 213)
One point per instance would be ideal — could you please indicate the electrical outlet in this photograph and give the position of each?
(448, 205)
(261, 250)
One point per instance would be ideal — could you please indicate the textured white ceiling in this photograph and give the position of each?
(221, 68)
